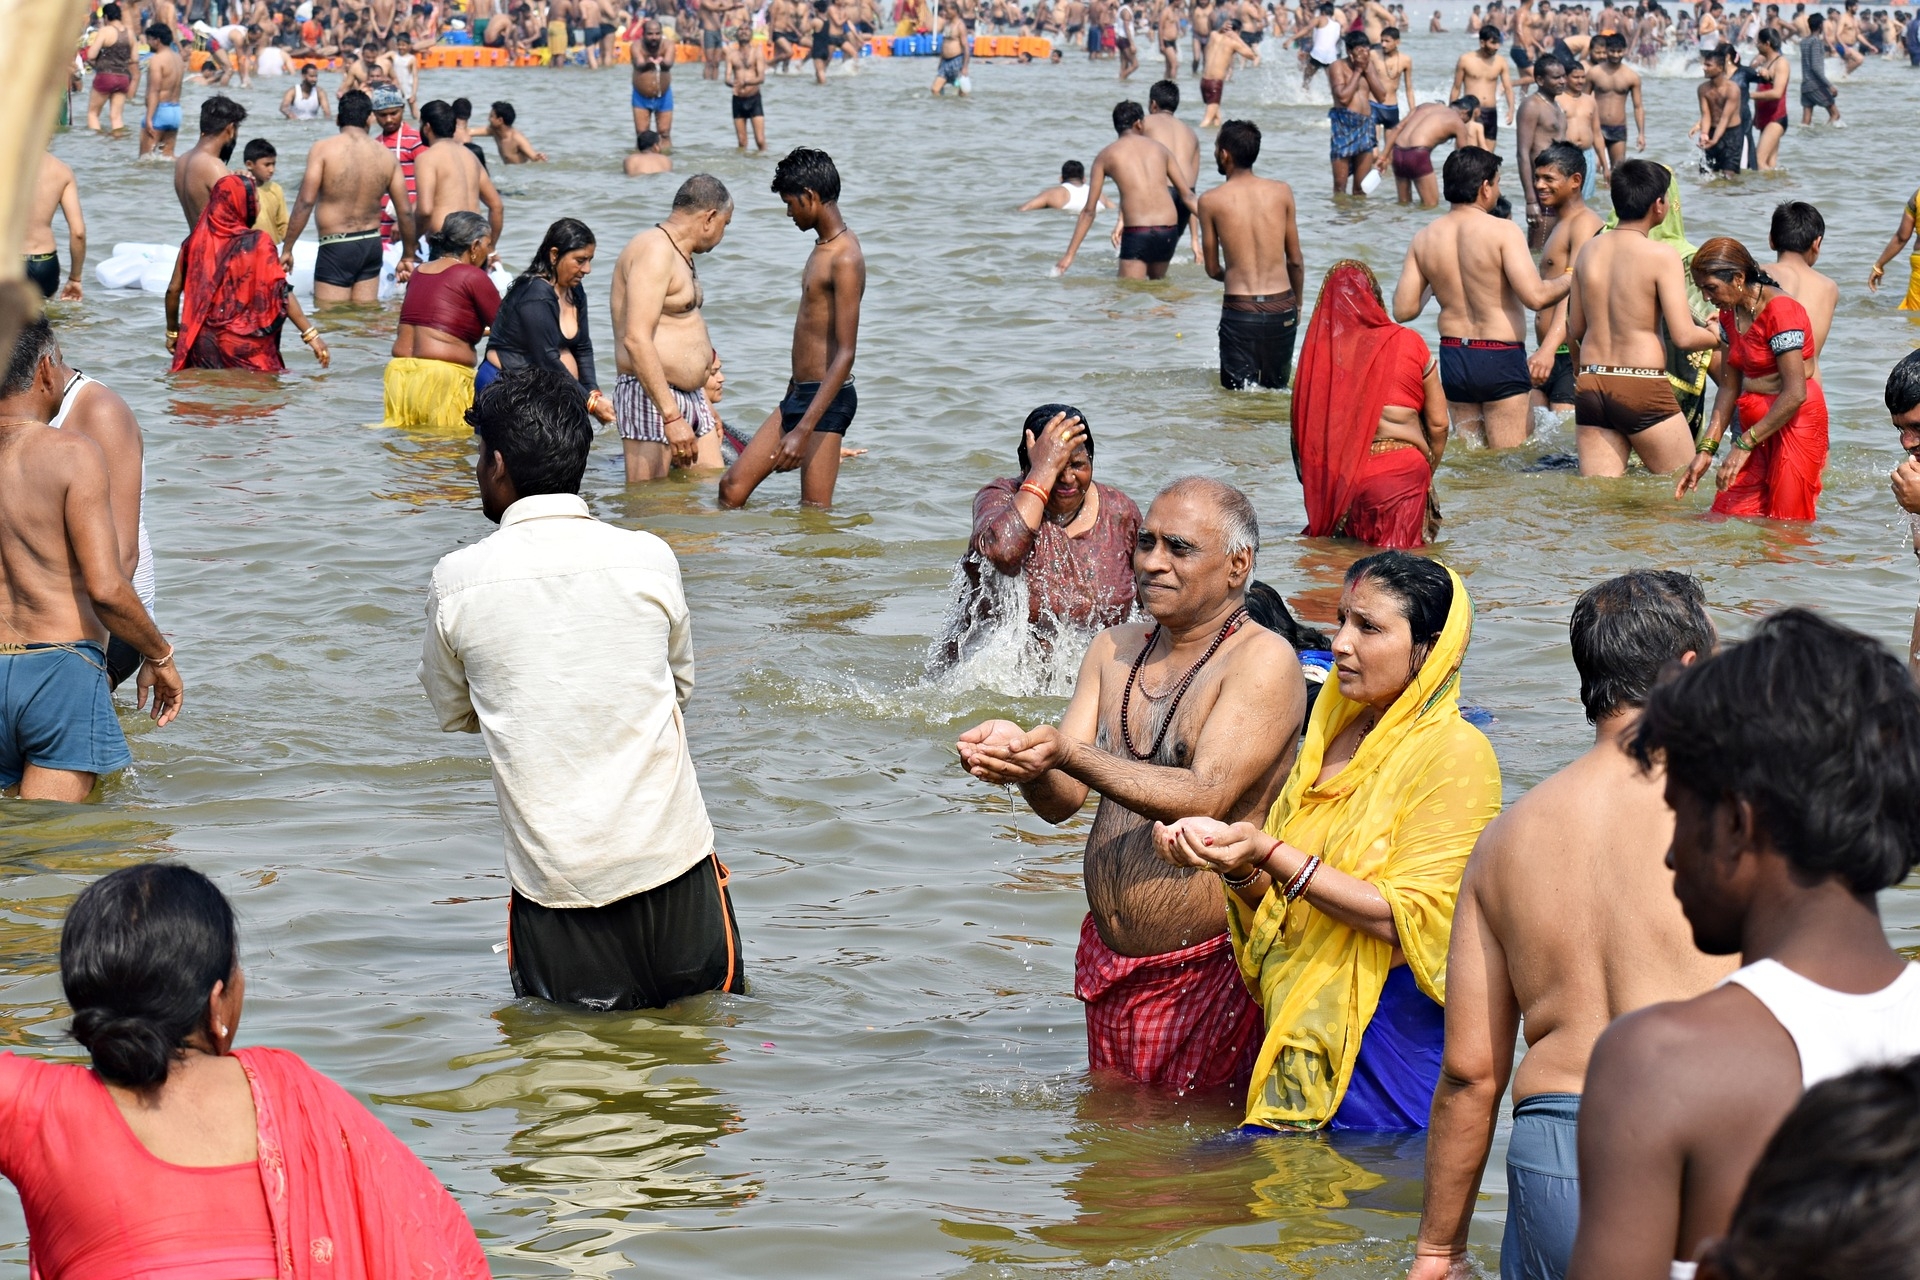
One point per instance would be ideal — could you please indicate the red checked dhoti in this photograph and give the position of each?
(1182, 1019)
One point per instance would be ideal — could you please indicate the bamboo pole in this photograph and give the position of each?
(37, 40)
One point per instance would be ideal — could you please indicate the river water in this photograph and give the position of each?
(903, 1093)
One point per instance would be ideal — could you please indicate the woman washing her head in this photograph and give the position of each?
(1069, 540)
(180, 1155)
(1369, 418)
(1342, 908)
(543, 319)
(450, 303)
(1774, 467)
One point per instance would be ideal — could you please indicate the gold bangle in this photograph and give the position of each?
(313, 331)
(173, 333)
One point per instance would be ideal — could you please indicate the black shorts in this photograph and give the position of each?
(834, 422)
(122, 661)
(1559, 386)
(1612, 133)
(1490, 122)
(642, 952)
(1728, 153)
(1478, 371)
(1150, 245)
(1181, 214)
(748, 106)
(344, 261)
(44, 270)
(1256, 348)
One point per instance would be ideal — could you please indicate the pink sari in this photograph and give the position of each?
(347, 1199)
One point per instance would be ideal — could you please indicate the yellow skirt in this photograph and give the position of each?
(1912, 301)
(430, 394)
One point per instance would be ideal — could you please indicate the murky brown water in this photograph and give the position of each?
(903, 1092)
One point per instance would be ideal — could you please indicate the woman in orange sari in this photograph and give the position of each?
(1369, 418)
(229, 295)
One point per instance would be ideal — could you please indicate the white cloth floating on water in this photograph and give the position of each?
(132, 263)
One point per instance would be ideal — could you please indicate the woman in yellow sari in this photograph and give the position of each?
(1342, 908)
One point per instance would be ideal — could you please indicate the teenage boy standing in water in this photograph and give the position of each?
(820, 401)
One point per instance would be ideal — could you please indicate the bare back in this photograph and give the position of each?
(53, 182)
(1143, 170)
(1814, 291)
(1252, 218)
(446, 180)
(1624, 283)
(194, 174)
(1181, 142)
(56, 487)
(354, 171)
(1464, 255)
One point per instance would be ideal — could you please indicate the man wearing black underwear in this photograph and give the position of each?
(346, 176)
(1152, 194)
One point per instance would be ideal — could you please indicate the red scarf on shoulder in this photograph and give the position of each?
(233, 294)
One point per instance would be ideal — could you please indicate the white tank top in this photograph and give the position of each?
(1076, 197)
(1326, 44)
(143, 582)
(1835, 1031)
(308, 107)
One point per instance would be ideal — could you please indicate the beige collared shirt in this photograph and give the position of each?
(565, 643)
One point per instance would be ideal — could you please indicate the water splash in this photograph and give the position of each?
(986, 642)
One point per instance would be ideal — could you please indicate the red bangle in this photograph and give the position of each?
(1035, 490)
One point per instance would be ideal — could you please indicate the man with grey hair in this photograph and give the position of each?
(663, 353)
(1193, 711)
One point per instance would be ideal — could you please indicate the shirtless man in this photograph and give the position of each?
(663, 352)
(956, 50)
(1178, 137)
(1479, 270)
(513, 145)
(1797, 233)
(808, 428)
(354, 73)
(1624, 285)
(160, 124)
(1540, 122)
(1357, 84)
(713, 14)
(1222, 748)
(345, 178)
(446, 177)
(1396, 68)
(653, 60)
(1201, 22)
(645, 157)
(55, 190)
(1559, 178)
(1614, 84)
(1484, 74)
(1717, 131)
(1252, 242)
(1223, 46)
(1566, 920)
(1169, 33)
(195, 172)
(746, 74)
(1429, 125)
(1151, 194)
(1583, 125)
(63, 593)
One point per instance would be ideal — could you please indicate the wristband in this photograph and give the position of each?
(1035, 490)
(163, 660)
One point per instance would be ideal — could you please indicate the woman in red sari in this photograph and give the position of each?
(179, 1155)
(229, 295)
(1369, 418)
(1780, 449)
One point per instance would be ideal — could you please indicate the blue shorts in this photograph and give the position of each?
(1543, 1188)
(166, 117)
(662, 103)
(56, 712)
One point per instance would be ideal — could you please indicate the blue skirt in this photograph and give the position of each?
(1399, 1063)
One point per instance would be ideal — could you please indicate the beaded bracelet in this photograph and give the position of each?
(1244, 881)
(1298, 885)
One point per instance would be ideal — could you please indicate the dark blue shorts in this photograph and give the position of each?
(1478, 371)
(56, 712)
(834, 422)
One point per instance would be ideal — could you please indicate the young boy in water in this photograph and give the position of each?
(261, 160)
(820, 401)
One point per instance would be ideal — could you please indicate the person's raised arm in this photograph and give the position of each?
(1377, 85)
(76, 238)
(303, 204)
(1482, 1022)
(1524, 277)
(1096, 184)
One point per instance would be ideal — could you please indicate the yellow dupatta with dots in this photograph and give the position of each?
(1402, 815)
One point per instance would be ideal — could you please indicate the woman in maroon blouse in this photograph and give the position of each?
(449, 306)
(1068, 541)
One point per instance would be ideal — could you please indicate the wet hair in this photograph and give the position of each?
(438, 118)
(1466, 171)
(459, 232)
(1268, 608)
(1769, 37)
(564, 236)
(110, 11)
(258, 149)
(1723, 258)
(1422, 588)
(1903, 384)
(1036, 423)
(1126, 115)
(1239, 526)
(1465, 102)
(35, 343)
(1489, 33)
(1796, 225)
(160, 31)
(1502, 209)
(1616, 41)
(1626, 630)
(1564, 156)
(804, 169)
(140, 952)
(1637, 187)
(1814, 725)
(1716, 54)
(506, 113)
(463, 108)
(702, 192)
(1836, 1192)
(536, 420)
(219, 112)
(1073, 171)
(1241, 140)
(1165, 95)
(353, 110)
(645, 140)
(1816, 20)
(1356, 40)
(1389, 33)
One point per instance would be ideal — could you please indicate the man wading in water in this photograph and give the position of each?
(1197, 712)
